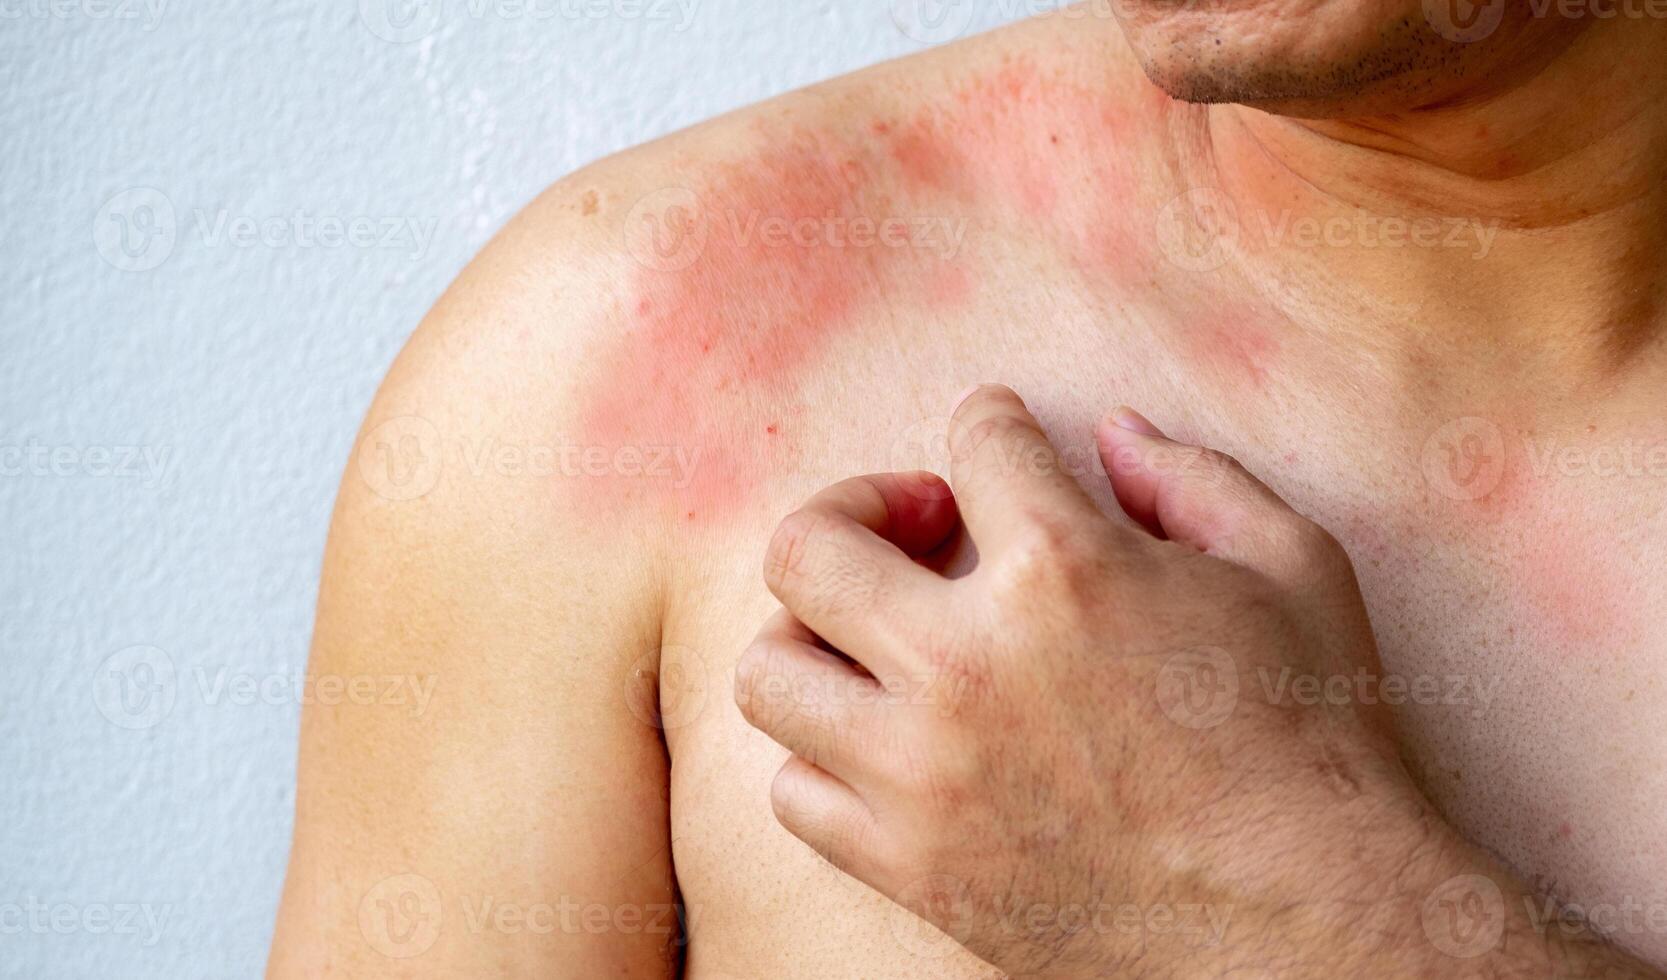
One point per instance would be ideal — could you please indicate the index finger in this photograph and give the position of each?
(1003, 469)
(842, 564)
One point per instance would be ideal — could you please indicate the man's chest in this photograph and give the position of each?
(1514, 586)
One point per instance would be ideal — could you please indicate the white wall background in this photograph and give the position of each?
(176, 407)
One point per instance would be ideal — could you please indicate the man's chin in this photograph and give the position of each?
(1311, 58)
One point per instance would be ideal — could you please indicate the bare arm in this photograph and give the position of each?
(479, 794)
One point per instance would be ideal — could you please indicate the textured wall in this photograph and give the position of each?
(191, 326)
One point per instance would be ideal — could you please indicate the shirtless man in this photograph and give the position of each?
(1434, 332)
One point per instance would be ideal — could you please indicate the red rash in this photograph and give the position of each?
(733, 327)
(1240, 348)
(1027, 139)
(1557, 564)
(710, 345)
(1569, 583)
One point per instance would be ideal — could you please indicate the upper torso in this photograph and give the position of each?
(610, 410)
(1506, 547)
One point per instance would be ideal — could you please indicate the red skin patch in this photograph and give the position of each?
(1568, 586)
(1241, 348)
(709, 346)
(950, 287)
(1573, 588)
(1026, 139)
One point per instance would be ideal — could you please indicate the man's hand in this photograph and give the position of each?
(1076, 759)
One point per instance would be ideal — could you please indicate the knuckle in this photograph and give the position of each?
(814, 558)
(963, 681)
(984, 438)
(754, 688)
(838, 837)
(985, 395)
(1178, 459)
(1035, 547)
(937, 783)
(1051, 557)
(791, 801)
(1214, 466)
(845, 844)
(785, 556)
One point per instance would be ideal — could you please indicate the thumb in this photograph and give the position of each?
(1203, 498)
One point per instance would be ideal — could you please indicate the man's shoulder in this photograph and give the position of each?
(567, 263)
(649, 307)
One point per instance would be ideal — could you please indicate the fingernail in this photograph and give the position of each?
(962, 397)
(1128, 418)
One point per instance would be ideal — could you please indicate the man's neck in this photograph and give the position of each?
(1538, 209)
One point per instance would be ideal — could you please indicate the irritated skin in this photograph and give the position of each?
(1459, 416)
(1299, 819)
(749, 316)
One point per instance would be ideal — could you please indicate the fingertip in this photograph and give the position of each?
(925, 485)
(1122, 448)
(1129, 420)
(922, 510)
(1126, 448)
(985, 390)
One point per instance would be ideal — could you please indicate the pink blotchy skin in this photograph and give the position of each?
(1237, 346)
(1561, 571)
(712, 348)
(1569, 578)
(709, 344)
(1051, 152)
